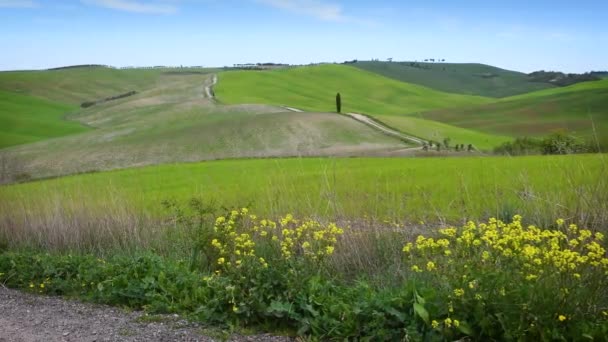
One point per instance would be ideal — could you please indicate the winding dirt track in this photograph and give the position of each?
(209, 88)
(366, 120)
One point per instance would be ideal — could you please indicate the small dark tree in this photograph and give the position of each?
(338, 103)
(446, 143)
(470, 147)
(457, 147)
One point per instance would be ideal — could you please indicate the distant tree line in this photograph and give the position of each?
(559, 78)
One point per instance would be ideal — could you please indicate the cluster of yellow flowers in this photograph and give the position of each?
(528, 252)
(238, 234)
(569, 250)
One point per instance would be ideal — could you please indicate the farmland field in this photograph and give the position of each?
(314, 88)
(407, 191)
(461, 78)
(577, 108)
(25, 119)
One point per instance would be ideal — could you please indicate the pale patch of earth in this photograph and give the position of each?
(26, 317)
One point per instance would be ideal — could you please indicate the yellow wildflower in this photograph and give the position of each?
(448, 322)
(459, 292)
(430, 266)
(562, 318)
(435, 324)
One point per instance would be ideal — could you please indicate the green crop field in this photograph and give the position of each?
(314, 89)
(580, 109)
(460, 78)
(25, 119)
(433, 190)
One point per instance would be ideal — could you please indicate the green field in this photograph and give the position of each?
(460, 78)
(576, 108)
(385, 99)
(25, 119)
(433, 190)
(76, 85)
(437, 131)
(314, 89)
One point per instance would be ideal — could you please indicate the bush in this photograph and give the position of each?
(559, 142)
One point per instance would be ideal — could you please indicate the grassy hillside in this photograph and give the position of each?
(460, 78)
(576, 108)
(76, 85)
(404, 190)
(25, 119)
(437, 131)
(173, 122)
(314, 88)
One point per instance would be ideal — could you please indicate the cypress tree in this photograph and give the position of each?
(338, 103)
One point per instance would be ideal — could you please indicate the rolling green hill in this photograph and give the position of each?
(460, 78)
(173, 121)
(581, 109)
(314, 88)
(25, 119)
(76, 85)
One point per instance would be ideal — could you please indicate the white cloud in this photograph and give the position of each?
(18, 4)
(156, 7)
(315, 8)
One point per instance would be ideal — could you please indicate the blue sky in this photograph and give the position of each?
(570, 36)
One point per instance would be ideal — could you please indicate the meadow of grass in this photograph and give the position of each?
(460, 78)
(25, 119)
(438, 131)
(580, 109)
(314, 88)
(77, 85)
(406, 191)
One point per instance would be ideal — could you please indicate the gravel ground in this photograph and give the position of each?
(26, 317)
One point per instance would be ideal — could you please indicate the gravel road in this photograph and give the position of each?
(26, 317)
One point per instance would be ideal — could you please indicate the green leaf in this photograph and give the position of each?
(279, 309)
(465, 328)
(397, 314)
(420, 299)
(421, 312)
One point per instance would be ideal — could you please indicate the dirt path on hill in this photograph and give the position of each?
(26, 317)
(209, 88)
(366, 120)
